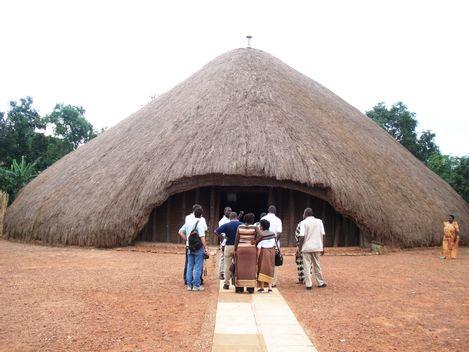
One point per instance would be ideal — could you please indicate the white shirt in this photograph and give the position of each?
(275, 223)
(223, 221)
(189, 225)
(270, 243)
(312, 229)
(202, 219)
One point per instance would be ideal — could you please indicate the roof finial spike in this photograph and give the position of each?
(249, 37)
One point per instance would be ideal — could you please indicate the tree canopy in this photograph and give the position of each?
(402, 124)
(27, 147)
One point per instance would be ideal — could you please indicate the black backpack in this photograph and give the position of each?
(194, 242)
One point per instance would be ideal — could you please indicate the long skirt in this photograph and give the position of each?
(300, 269)
(450, 247)
(266, 265)
(245, 267)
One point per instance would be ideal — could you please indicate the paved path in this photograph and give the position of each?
(257, 322)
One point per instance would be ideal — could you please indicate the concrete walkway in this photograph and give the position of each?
(257, 322)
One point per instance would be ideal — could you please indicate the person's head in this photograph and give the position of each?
(272, 209)
(233, 216)
(198, 212)
(263, 214)
(307, 212)
(227, 211)
(195, 206)
(249, 218)
(240, 215)
(450, 218)
(265, 224)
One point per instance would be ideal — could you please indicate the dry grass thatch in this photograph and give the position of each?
(3, 208)
(245, 114)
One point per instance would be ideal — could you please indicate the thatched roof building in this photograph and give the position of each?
(245, 128)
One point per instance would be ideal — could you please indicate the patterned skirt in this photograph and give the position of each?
(299, 267)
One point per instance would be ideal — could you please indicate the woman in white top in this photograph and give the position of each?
(266, 257)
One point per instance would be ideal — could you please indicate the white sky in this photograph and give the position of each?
(111, 56)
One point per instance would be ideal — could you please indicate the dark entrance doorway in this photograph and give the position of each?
(247, 201)
(165, 220)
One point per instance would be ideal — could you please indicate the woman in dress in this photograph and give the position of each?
(266, 257)
(298, 257)
(245, 255)
(450, 238)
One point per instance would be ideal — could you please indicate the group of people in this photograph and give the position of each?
(266, 232)
(266, 238)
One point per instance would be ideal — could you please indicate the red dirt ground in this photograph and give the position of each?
(403, 301)
(72, 299)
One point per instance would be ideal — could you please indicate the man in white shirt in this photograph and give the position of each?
(311, 243)
(195, 257)
(191, 218)
(275, 227)
(225, 219)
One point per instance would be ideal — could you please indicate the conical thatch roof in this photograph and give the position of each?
(245, 114)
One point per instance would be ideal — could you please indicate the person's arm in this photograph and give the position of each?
(204, 244)
(236, 239)
(219, 232)
(182, 233)
(201, 228)
(279, 233)
(323, 233)
(301, 238)
(300, 244)
(258, 236)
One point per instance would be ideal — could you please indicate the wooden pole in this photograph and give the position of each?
(183, 212)
(153, 229)
(280, 213)
(270, 198)
(197, 195)
(212, 212)
(3, 208)
(168, 219)
(337, 223)
(292, 217)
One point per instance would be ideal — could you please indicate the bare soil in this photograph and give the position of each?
(133, 299)
(402, 301)
(74, 299)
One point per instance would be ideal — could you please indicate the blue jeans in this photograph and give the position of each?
(195, 262)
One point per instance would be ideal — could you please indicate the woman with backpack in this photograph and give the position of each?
(193, 232)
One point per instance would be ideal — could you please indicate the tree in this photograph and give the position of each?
(460, 177)
(23, 137)
(426, 146)
(454, 170)
(400, 123)
(22, 133)
(442, 165)
(19, 133)
(15, 178)
(71, 125)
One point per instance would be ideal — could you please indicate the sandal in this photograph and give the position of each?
(270, 290)
(260, 290)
